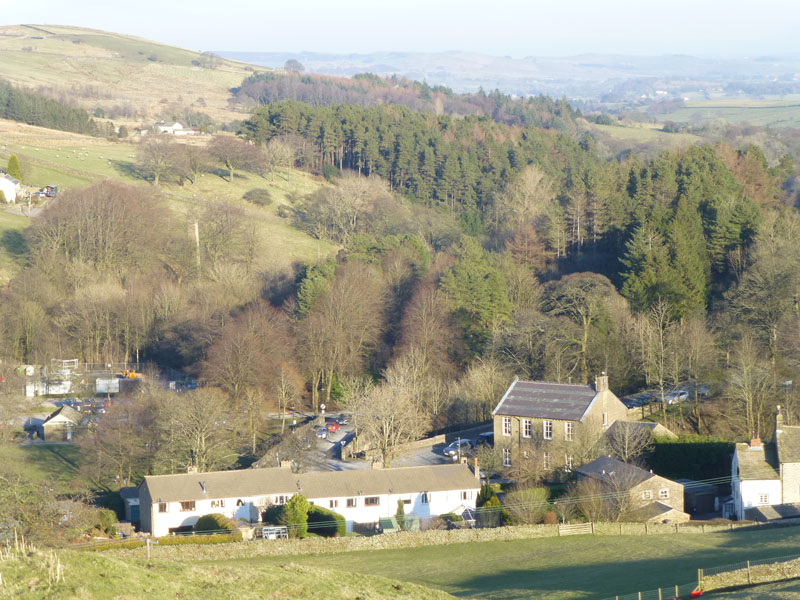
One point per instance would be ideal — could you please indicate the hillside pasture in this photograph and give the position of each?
(576, 567)
(764, 113)
(644, 139)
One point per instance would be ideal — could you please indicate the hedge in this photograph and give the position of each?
(215, 522)
(214, 538)
(325, 522)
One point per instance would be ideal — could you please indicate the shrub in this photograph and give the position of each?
(274, 514)
(113, 501)
(451, 518)
(295, 516)
(550, 518)
(330, 172)
(214, 538)
(491, 514)
(105, 519)
(401, 515)
(215, 522)
(260, 196)
(326, 523)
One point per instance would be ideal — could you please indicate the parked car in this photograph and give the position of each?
(343, 419)
(332, 426)
(322, 432)
(677, 396)
(485, 439)
(459, 446)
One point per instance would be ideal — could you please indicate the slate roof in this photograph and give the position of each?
(329, 484)
(654, 510)
(771, 512)
(67, 412)
(788, 442)
(540, 400)
(757, 463)
(656, 429)
(605, 468)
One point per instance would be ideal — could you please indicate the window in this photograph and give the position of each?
(547, 430)
(527, 428)
(647, 495)
(333, 503)
(506, 425)
(425, 498)
(372, 501)
(506, 457)
(547, 460)
(663, 494)
(605, 419)
(162, 507)
(568, 462)
(218, 504)
(281, 499)
(763, 498)
(569, 431)
(351, 502)
(466, 495)
(187, 506)
(407, 501)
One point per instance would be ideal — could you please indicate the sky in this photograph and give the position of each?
(516, 28)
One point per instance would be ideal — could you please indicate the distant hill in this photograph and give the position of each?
(587, 77)
(129, 78)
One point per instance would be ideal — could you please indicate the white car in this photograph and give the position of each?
(677, 396)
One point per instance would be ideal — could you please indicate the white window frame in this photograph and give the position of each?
(506, 457)
(569, 461)
(527, 428)
(333, 503)
(547, 460)
(569, 431)
(663, 494)
(507, 426)
(466, 494)
(280, 499)
(763, 499)
(547, 429)
(647, 495)
(605, 419)
(164, 505)
(373, 501)
(188, 506)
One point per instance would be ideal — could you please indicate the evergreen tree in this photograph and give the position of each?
(14, 167)
(401, 515)
(295, 516)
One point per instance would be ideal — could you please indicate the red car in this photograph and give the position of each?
(332, 426)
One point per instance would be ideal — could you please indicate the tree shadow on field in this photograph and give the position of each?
(14, 243)
(128, 169)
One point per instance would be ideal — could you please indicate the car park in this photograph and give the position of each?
(676, 396)
(485, 439)
(322, 432)
(458, 447)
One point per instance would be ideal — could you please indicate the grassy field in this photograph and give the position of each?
(558, 568)
(766, 113)
(90, 576)
(642, 138)
(102, 69)
(788, 590)
(54, 464)
(73, 161)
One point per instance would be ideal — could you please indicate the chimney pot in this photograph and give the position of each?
(755, 443)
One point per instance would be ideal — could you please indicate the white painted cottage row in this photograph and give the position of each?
(457, 489)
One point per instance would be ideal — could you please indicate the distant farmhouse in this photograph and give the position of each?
(10, 187)
(174, 503)
(173, 129)
(766, 476)
(535, 416)
(651, 498)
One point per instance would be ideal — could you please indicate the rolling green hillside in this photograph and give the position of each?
(102, 69)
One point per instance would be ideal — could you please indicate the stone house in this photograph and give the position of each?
(650, 497)
(175, 502)
(553, 423)
(61, 425)
(765, 477)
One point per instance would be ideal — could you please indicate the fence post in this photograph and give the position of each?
(646, 530)
(704, 527)
(659, 594)
(640, 595)
(620, 528)
(676, 528)
(592, 523)
(147, 543)
(749, 574)
(700, 578)
(677, 591)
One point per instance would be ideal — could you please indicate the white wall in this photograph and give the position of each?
(746, 493)
(9, 190)
(439, 503)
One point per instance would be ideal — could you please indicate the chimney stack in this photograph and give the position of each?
(477, 471)
(755, 443)
(191, 469)
(601, 383)
(778, 419)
